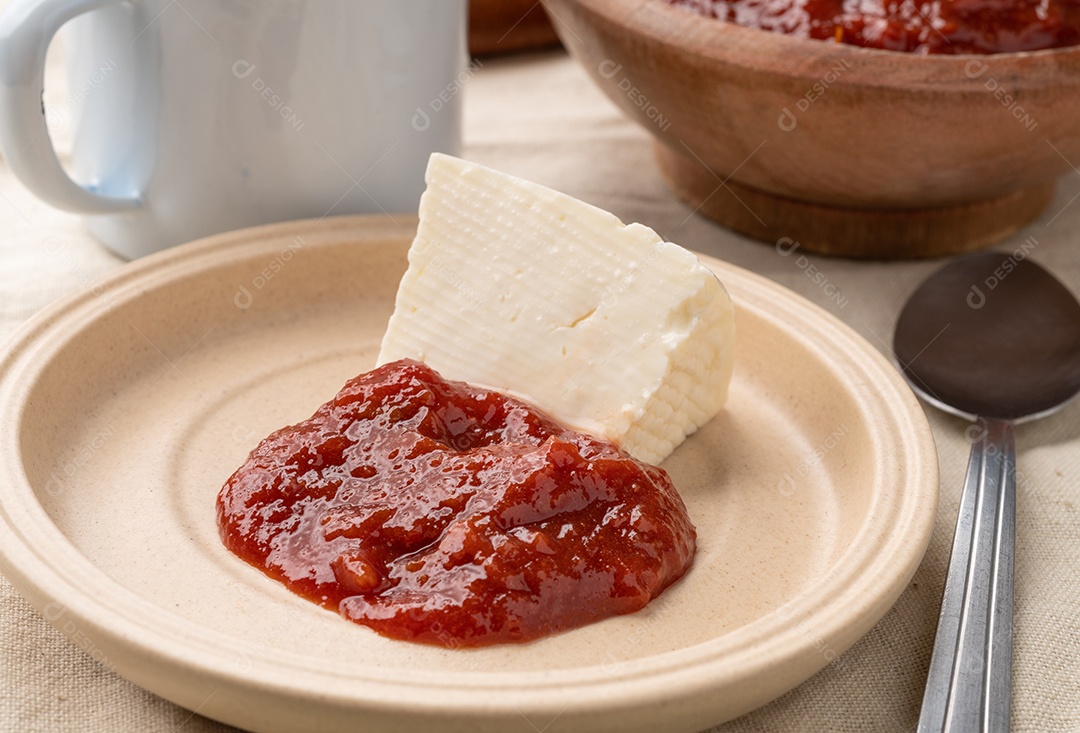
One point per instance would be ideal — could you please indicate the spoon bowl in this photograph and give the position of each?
(992, 338)
(991, 335)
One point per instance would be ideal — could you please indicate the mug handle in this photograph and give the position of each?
(26, 29)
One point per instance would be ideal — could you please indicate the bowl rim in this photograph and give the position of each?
(691, 35)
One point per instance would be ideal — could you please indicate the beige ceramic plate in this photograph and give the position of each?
(122, 411)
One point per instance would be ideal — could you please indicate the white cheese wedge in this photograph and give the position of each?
(523, 289)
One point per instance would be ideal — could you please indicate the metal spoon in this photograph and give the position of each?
(995, 339)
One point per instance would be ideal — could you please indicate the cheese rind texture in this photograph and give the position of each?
(604, 326)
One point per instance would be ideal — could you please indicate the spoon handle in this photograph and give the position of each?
(968, 687)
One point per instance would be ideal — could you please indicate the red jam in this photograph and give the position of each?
(442, 513)
(920, 26)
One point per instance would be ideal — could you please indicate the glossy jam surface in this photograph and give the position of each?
(437, 512)
(921, 26)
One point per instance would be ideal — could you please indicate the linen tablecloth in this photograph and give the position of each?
(539, 116)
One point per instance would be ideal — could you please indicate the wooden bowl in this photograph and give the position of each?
(505, 26)
(843, 150)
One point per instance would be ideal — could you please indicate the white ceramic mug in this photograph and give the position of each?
(197, 116)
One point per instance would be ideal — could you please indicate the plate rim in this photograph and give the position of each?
(634, 680)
